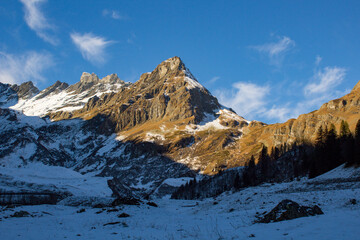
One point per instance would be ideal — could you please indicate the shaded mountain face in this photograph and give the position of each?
(11, 94)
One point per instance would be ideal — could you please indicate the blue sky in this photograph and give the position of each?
(268, 60)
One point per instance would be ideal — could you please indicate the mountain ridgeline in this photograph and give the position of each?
(164, 126)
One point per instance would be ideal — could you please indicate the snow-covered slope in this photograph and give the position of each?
(61, 97)
(228, 216)
(26, 143)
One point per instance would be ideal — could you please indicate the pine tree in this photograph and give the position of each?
(275, 153)
(249, 174)
(332, 149)
(319, 137)
(318, 160)
(264, 163)
(237, 182)
(347, 144)
(344, 130)
(357, 142)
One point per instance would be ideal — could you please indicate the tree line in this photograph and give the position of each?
(284, 163)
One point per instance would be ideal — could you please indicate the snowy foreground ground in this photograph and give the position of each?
(229, 216)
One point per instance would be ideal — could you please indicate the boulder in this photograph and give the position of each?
(123, 193)
(21, 214)
(287, 210)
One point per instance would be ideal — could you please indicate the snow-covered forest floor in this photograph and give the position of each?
(228, 216)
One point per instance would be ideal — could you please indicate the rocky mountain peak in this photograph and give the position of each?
(169, 67)
(55, 88)
(89, 78)
(112, 79)
(25, 90)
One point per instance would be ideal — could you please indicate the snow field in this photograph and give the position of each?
(228, 216)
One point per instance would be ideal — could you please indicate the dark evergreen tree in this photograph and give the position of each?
(347, 144)
(344, 129)
(237, 182)
(249, 174)
(264, 164)
(357, 142)
(318, 157)
(275, 153)
(332, 149)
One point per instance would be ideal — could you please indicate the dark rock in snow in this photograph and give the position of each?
(99, 205)
(111, 223)
(120, 189)
(81, 210)
(152, 204)
(112, 210)
(287, 210)
(126, 201)
(123, 215)
(21, 214)
(123, 193)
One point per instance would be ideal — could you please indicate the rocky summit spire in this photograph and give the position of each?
(112, 79)
(170, 66)
(89, 78)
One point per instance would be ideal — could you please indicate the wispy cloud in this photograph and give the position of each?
(36, 20)
(325, 80)
(214, 79)
(91, 47)
(114, 14)
(318, 60)
(26, 67)
(131, 38)
(247, 99)
(276, 51)
(255, 102)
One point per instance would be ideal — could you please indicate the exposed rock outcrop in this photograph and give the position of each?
(287, 210)
(25, 90)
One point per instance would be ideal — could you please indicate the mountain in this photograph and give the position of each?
(150, 135)
(109, 128)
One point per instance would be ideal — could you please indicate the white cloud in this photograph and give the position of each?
(276, 51)
(318, 60)
(36, 20)
(257, 102)
(325, 80)
(214, 79)
(114, 14)
(280, 113)
(91, 47)
(26, 67)
(247, 99)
